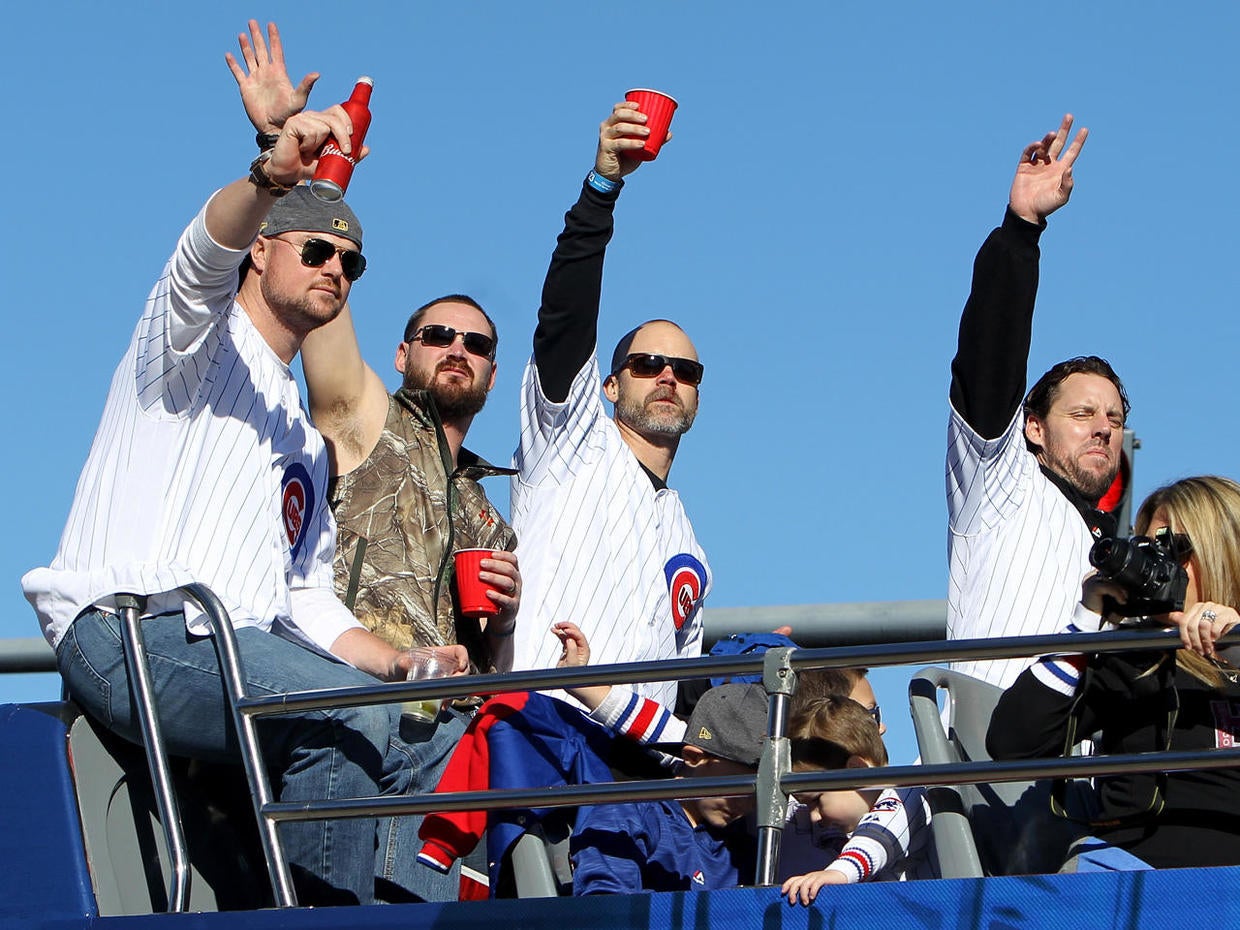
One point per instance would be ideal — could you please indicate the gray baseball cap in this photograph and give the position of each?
(729, 721)
(299, 210)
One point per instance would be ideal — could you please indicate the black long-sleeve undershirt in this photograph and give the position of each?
(996, 328)
(1198, 822)
(568, 318)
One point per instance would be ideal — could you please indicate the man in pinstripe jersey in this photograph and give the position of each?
(603, 541)
(205, 469)
(1024, 480)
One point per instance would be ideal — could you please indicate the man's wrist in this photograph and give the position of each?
(602, 184)
(266, 140)
(264, 181)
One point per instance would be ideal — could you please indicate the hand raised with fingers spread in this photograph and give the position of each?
(623, 132)
(266, 91)
(1043, 181)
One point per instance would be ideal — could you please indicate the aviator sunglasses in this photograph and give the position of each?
(315, 253)
(646, 365)
(438, 336)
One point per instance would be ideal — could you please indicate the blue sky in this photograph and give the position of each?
(812, 227)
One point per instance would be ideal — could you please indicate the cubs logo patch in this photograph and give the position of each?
(686, 580)
(296, 505)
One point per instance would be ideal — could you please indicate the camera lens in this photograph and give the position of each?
(1110, 555)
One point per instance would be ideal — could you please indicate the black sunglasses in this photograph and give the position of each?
(877, 713)
(645, 365)
(315, 253)
(440, 337)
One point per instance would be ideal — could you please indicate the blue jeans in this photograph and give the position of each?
(427, 746)
(338, 753)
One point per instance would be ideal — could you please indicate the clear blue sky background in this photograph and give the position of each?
(812, 226)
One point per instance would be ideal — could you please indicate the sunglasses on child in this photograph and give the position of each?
(440, 337)
(315, 253)
(646, 365)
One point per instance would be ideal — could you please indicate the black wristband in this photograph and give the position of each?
(266, 140)
(262, 180)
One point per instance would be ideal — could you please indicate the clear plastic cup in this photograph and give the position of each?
(427, 663)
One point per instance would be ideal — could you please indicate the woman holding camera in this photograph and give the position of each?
(1151, 701)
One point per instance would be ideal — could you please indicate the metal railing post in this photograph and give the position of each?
(779, 679)
(233, 675)
(130, 607)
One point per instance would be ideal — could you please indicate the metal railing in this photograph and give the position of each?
(813, 625)
(774, 781)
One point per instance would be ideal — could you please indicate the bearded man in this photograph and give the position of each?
(604, 541)
(404, 488)
(1024, 479)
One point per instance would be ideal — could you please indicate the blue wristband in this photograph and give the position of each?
(601, 184)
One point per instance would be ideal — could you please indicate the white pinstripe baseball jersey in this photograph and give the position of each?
(597, 544)
(1017, 548)
(204, 468)
(891, 843)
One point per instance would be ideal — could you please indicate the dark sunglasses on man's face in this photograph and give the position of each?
(440, 337)
(315, 253)
(877, 713)
(645, 365)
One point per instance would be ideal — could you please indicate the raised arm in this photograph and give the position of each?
(988, 372)
(568, 318)
(235, 212)
(348, 400)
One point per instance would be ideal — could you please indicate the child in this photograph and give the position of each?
(887, 830)
(678, 845)
(815, 713)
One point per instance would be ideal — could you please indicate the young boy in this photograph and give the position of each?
(678, 845)
(887, 830)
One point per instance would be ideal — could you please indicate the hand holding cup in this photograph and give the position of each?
(658, 108)
(427, 663)
(488, 583)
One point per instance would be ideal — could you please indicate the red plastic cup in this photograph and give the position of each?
(658, 108)
(470, 589)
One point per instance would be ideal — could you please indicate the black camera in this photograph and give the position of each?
(1150, 570)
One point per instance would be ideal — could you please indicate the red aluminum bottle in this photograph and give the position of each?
(331, 178)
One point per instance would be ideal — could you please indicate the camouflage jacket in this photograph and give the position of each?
(400, 515)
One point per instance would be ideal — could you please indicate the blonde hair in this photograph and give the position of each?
(1207, 508)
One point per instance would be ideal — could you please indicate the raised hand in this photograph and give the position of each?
(266, 91)
(622, 132)
(1043, 181)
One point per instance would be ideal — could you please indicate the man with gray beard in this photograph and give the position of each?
(604, 541)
